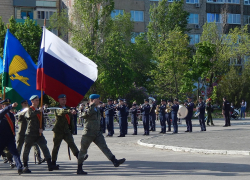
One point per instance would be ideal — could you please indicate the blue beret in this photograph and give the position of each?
(33, 97)
(94, 96)
(62, 96)
(6, 101)
(23, 101)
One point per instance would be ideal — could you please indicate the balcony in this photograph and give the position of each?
(23, 20)
(24, 3)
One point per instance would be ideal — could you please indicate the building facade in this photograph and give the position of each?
(6, 10)
(226, 13)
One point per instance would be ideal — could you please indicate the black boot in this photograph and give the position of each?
(39, 159)
(50, 166)
(5, 159)
(12, 164)
(55, 167)
(117, 162)
(26, 168)
(80, 171)
(20, 171)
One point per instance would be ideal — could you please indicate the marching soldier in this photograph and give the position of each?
(7, 132)
(93, 133)
(174, 112)
(127, 113)
(134, 118)
(34, 134)
(122, 113)
(190, 108)
(109, 113)
(152, 116)
(145, 117)
(225, 112)
(162, 116)
(63, 129)
(21, 134)
(201, 109)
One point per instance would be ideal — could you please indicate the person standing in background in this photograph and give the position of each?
(243, 109)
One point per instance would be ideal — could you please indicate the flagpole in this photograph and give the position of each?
(4, 88)
(41, 117)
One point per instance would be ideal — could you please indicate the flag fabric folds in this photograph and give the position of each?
(63, 70)
(19, 71)
(1, 65)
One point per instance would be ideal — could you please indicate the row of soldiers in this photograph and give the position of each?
(167, 112)
(31, 132)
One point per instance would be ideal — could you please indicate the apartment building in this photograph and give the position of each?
(6, 10)
(237, 13)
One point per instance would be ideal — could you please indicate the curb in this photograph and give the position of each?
(194, 150)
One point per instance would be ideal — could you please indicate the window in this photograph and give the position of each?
(247, 2)
(44, 14)
(26, 13)
(193, 19)
(137, 16)
(246, 19)
(134, 35)
(233, 19)
(224, 1)
(116, 12)
(214, 18)
(194, 38)
(236, 61)
(192, 1)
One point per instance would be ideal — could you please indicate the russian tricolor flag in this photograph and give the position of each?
(63, 70)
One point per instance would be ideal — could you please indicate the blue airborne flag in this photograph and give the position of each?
(1, 65)
(19, 73)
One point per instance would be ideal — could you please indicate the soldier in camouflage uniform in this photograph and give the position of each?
(34, 134)
(92, 133)
(21, 134)
(63, 129)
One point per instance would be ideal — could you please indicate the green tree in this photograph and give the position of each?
(28, 33)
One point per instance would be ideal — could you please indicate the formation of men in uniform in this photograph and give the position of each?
(31, 133)
(96, 117)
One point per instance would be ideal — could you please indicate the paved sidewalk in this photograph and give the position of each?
(233, 140)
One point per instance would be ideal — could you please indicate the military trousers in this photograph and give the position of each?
(20, 142)
(68, 138)
(227, 118)
(145, 120)
(209, 118)
(174, 120)
(202, 122)
(99, 141)
(122, 124)
(110, 124)
(168, 119)
(134, 122)
(163, 122)
(103, 124)
(189, 124)
(9, 142)
(30, 141)
(152, 118)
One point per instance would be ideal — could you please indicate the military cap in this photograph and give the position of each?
(200, 97)
(133, 104)
(101, 102)
(168, 101)
(94, 96)
(62, 96)
(176, 99)
(23, 101)
(163, 100)
(33, 97)
(120, 99)
(109, 100)
(6, 101)
(189, 97)
(146, 100)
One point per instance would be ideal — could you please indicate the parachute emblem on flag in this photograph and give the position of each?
(18, 64)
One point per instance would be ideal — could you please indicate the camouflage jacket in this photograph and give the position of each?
(92, 117)
(61, 124)
(33, 122)
(23, 124)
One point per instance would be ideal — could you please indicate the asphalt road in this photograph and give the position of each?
(141, 162)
